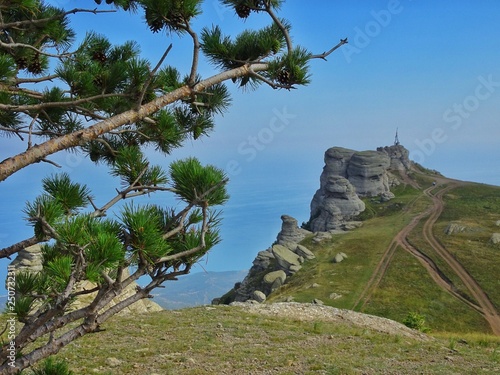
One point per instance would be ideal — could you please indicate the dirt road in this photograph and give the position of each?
(481, 301)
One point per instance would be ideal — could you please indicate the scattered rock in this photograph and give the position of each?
(339, 257)
(259, 296)
(335, 296)
(317, 302)
(321, 236)
(495, 238)
(113, 362)
(453, 228)
(497, 223)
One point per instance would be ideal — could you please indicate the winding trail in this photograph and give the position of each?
(481, 302)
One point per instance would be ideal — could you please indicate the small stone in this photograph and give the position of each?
(113, 362)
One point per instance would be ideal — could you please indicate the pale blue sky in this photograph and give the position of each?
(431, 69)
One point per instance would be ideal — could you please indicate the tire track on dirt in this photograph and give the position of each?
(488, 309)
(483, 304)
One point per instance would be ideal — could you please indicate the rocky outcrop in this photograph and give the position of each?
(290, 232)
(399, 157)
(453, 228)
(272, 267)
(334, 204)
(349, 175)
(367, 171)
(30, 259)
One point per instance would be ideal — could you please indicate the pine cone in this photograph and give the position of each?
(22, 63)
(35, 66)
(284, 77)
(156, 25)
(99, 56)
(242, 10)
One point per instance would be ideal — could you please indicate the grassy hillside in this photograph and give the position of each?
(384, 275)
(232, 340)
(406, 286)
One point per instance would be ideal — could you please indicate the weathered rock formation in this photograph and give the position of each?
(348, 175)
(30, 260)
(399, 156)
(290, 232)
(334, 204)
(272, 267)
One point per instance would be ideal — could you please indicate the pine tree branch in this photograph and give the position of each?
(152, 74)
(6, 252)
(325, 54)
(13, 164)
(65, 104)
(196, 54)
(283, 29)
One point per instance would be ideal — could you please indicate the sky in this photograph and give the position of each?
(430, 70)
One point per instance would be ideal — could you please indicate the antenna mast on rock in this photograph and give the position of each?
(396, 139)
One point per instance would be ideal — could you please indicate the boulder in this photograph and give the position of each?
(271, 277)
(259, 296)
(285, 258)
(294, 268)
(339, 257)
(304, 252)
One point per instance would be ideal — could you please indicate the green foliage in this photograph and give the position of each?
(59, 270)
(415, 321)
(171, 15)
(71, 196)
(291, 68)
(197, 184)
(133, 168)
(44, 210)
(144, 226)
(248, 46)
(52, 366)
